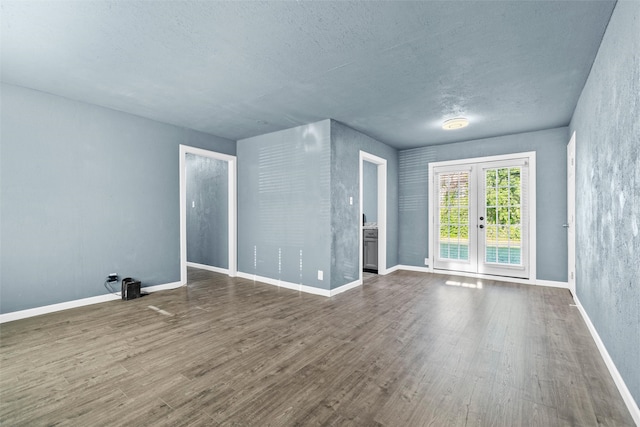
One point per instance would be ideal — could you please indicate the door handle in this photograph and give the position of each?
(565, 225)
(481, 226)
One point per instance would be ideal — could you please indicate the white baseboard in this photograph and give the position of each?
(632, 405)
(346, 287)
(552, 284)
(485, 277)
(412, 268)
(287, 285)
(37, 311)
(538, 282)
(391, 270)
(208, 267)
(299, 287)
(164, 287)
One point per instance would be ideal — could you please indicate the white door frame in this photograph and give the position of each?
(382, 211)
(232, 212)
(571, 214)
(433, 194)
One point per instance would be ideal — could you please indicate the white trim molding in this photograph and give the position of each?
(37, 311)
(552, 284)
(391, 270)
(412, 268)
(382, 210)
(548, 283)
(529, 156)
(165, 287)
(300, 287)
(232, 211)
(208, 267)
(484, 276)
(632, 405)
(283, 284)
(346, 287)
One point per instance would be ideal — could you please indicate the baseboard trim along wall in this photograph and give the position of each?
(389, 270)
(552, 284)
(37, 311)
(411, 268)
(346, 287)
(208, 267)
(300, 287)
(164, 287)
(283, 284)
(632, 405)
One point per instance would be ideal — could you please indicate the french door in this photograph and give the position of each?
(482, 218)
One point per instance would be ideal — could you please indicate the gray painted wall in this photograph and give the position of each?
(551, 155)
(370, 191)
(207, 211)
(607, 126)
(346, 144)
(284, 205)
(86, 191)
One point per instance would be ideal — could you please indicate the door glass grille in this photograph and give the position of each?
(503, 216)
(454, 215)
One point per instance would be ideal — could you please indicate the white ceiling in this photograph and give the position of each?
(393, 70)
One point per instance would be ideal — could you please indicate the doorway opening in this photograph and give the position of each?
(373, 224)
(192, 155)
(482, 216)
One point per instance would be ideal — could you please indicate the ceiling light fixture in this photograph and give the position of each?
(457, 123)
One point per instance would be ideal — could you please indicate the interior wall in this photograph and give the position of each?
(207, 182)
(346, 144)
(284, 205)
(86, 191)
(551, 182)
(607, 126)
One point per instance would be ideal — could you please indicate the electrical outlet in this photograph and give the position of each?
(113, 277)
(426, 262)
(320, 275)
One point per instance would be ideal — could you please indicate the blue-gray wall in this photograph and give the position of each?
(551, 156)
(346, 144)
(284, 205)
(86, 191)
(207, 210)
(370, 191)
(607, 126)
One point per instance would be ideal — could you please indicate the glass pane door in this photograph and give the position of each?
(481, 218)
(502, 220)
(456, 243)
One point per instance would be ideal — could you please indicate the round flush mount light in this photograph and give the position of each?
(457, 123)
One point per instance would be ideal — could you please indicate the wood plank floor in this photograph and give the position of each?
(407, 349)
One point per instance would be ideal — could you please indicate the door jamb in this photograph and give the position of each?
(232, 209)
(382, 211)
(571, 261)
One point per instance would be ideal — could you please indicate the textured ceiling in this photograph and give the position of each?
(393, 70)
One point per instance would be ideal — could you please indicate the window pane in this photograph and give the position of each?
(503, 177)
(464, 216)
(514, 216)
(490, 216)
